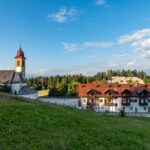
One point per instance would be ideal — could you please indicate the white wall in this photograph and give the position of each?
(19, 69)
(15, 88)
(31, 96)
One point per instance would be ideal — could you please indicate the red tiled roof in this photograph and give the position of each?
(83, 89)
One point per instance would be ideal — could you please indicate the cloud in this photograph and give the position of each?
(131, 63)
(64, 14)
(39, 72)
(86, 45)
(98, 44)
(139, 41)
(112, 64)
(71, 47)
(138, 35)
(100, 2)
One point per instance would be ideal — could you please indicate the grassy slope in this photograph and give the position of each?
(37, 126)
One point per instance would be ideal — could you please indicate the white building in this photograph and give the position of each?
(126, 80)
(113, 98)
(15, 79)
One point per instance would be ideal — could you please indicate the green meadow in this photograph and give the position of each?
(36, 126)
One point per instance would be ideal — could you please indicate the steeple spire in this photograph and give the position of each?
(20, 45)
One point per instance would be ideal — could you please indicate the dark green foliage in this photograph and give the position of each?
(122, 113)
(66, 85)
(35, 126)
(5, 89)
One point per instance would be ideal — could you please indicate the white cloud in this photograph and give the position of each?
(39, 72)
(112, 64)
(97, 44)
(100, 2)
(131, 63)
(86, 45)
(64, 14)
(139, 41)
(71, 47)
(138, 35)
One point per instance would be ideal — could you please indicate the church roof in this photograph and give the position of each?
(20, 53)
(10, 77)
(25, 90)
(6, 76)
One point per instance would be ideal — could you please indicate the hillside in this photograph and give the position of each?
(38, 126)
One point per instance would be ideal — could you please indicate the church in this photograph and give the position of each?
(15, 79)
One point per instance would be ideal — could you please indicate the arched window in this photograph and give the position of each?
(18, 63)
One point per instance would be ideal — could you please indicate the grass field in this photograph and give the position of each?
(35, 126)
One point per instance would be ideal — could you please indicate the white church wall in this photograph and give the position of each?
(19, 69)
(15, 88)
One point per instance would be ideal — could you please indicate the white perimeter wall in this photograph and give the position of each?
(31, 96)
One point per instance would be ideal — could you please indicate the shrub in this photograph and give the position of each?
(122, 113)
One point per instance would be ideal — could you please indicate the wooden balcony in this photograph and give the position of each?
(110, 104)
(125, 104)
(143, 102)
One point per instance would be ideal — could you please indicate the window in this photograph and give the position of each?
(97, 100)
(131, 108)
(144, 108)
(124, 101)
(134, 100)
(84, 101)
(148, 100)
(18, 63)
(128, 100)
(101, 100)
(97, 104)
(90, 101)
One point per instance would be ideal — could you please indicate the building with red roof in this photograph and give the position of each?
(115, 97)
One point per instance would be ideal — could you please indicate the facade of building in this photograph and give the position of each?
(114, 98)
(126, 80)
(15, 79)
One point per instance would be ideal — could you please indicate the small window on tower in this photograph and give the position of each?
(18, 63)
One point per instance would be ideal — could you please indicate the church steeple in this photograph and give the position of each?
(20, 62)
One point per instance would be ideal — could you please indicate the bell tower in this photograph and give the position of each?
(20, 62)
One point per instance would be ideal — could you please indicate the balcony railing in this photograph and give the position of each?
(125, 104)
(110, 104)
(143, 104)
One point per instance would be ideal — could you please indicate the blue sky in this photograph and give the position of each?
(75, 36)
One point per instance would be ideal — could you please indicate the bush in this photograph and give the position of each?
(122, 113)
(5, 89)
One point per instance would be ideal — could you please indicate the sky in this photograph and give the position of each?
(75, 36)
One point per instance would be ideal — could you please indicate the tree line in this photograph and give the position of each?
(66, 85)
